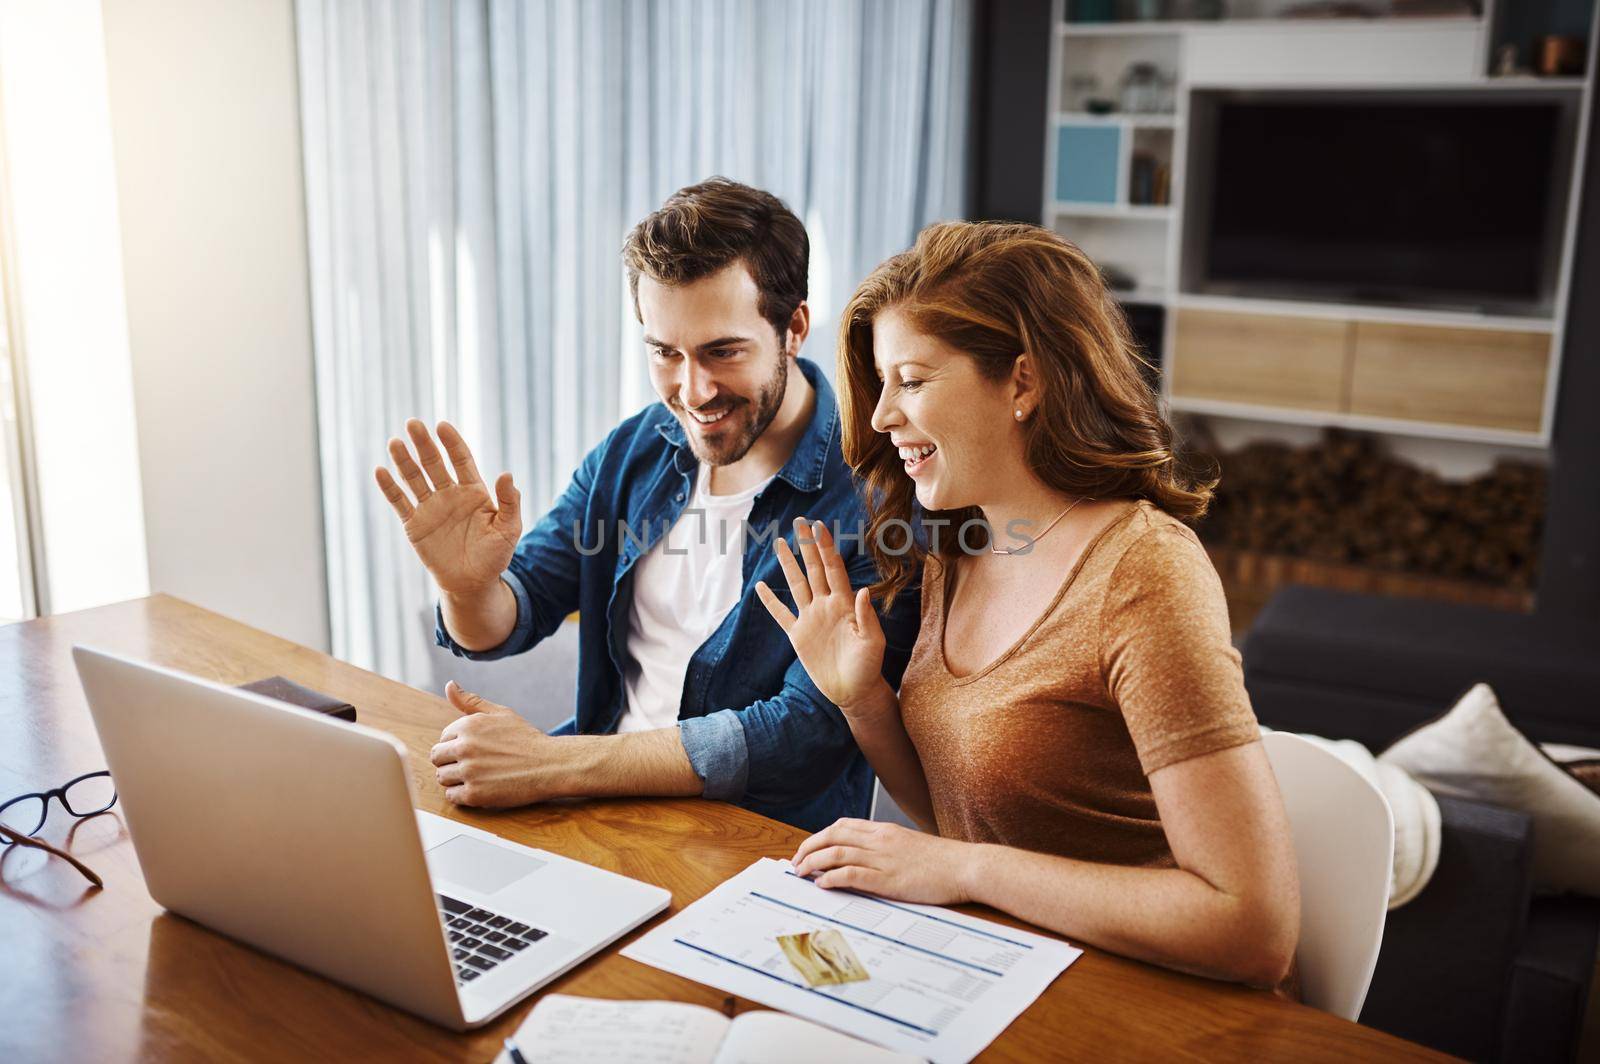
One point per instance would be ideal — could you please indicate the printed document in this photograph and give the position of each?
(939, 984)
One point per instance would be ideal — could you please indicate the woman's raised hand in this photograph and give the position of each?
(836, 632)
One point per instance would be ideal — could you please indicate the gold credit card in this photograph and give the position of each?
(823, 958)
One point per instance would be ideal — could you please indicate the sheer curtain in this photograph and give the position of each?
(472, 169)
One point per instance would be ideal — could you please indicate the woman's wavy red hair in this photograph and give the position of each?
(994, 291)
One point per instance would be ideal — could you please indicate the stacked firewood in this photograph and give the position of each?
(1344, 500)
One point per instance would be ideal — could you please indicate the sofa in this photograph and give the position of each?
(1477, 965)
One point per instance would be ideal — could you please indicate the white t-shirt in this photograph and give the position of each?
(682, 589)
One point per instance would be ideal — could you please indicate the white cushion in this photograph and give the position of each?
(1474, 752)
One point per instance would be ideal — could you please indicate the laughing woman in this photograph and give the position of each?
(1072, 732)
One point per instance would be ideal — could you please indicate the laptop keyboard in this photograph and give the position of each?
(480, 939)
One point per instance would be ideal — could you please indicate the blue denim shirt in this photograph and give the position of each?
(755, 727)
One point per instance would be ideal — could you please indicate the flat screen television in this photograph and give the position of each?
(1435, 199)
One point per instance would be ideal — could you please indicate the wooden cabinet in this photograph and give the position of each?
(1458, 380)
(1484, 377)
(1261, 358)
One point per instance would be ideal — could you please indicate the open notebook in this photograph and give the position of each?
(578, 1030)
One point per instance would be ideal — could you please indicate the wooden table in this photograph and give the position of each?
(108, 975)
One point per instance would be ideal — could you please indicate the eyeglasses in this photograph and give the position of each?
(22, 817)
(7, 837)
(89, 794)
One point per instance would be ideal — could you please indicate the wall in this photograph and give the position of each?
(66, 306)
(1012, 41)
(206, 134)
(1569, 580)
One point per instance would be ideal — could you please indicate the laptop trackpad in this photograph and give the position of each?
(478, 865)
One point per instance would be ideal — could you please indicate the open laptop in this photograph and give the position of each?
(295, 832)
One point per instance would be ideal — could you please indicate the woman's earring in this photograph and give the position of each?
(1019, 415)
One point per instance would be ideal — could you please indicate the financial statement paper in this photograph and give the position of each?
(943, 985)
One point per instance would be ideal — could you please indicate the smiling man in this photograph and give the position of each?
(685, 686)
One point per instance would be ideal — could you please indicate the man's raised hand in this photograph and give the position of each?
(464, 536)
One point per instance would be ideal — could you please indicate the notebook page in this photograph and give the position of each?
(773, 1038)
(563, 1029)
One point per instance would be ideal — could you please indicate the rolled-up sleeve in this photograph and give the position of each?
(790, 747)
(718, 753)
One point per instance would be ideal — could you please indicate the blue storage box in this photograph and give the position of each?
(1086, 163)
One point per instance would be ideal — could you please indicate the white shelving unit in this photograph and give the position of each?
(1234, 26)
(1284, 415)
(1134, 211)
(1284, 308)
(1146, 242)
(1124, 121)
(1134, 239)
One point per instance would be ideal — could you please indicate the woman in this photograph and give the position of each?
(1072, 731)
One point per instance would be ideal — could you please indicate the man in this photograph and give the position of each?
(685, 686)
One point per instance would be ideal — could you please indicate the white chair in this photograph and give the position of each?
(1344, 849)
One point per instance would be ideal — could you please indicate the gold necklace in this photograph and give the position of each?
(1047, 528)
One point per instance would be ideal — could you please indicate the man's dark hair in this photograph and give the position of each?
(705, 227)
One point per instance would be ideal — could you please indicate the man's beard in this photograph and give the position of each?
(767, 401)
